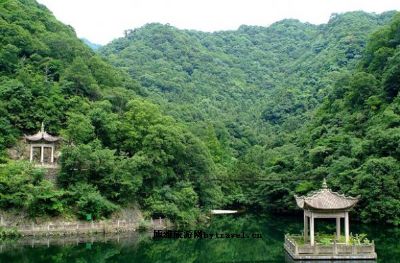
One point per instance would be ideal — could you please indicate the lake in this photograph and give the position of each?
(262, 242)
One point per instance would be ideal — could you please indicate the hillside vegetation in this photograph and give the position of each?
(246, 84)
(118, 148)
(286, 102)
(179, 121)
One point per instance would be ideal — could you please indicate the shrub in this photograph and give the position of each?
(46, 200)
(8, 232)
(88, 200)
(17, 180)
(178, 203)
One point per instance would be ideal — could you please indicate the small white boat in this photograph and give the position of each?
(222, 212)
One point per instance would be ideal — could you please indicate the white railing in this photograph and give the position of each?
(331, 249)
(73, 228)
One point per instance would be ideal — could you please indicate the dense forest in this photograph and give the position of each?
(180, 121)
(118, 147)
(290, 101)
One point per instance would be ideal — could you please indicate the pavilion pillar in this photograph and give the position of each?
(41, 154)
(31, 156)
(312, 229)
(346, 227)
(305, 227)
(52, 154)
(337, 228)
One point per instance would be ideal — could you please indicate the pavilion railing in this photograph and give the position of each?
(331, 249)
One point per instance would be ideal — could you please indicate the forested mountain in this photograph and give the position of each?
(288, 101)
(355, 134)
(118, 148)
(352, 139)
(241, 86)
(177, 121)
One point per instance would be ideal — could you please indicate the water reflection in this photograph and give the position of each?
(289, 259)
(141, 247)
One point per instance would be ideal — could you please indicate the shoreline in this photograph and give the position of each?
(47, 241)
(84, 228)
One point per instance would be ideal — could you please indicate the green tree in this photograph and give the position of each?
(78, 80)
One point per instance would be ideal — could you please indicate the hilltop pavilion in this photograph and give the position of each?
(42, 147)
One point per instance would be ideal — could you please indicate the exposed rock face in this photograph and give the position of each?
(19, 151)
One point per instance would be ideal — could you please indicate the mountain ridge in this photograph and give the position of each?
(251, 61)
(260, 98)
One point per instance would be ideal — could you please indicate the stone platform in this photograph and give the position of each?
(336, 251)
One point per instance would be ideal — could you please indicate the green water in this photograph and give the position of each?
(142, 248)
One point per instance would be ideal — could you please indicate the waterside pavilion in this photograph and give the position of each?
(325, 203)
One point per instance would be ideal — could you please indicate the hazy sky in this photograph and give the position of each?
(103, 20)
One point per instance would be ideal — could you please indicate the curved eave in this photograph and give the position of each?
(307, 205)
(325, 203)
(42, 136)
(299, 201)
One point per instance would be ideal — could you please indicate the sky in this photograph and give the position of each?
(101, 21)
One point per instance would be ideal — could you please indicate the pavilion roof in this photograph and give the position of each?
(42, 135)
(326, 199)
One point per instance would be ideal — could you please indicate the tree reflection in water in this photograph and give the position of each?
(142, 248)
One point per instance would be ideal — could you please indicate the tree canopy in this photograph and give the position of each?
(180, 121)
(118, 148)
(292, 100)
